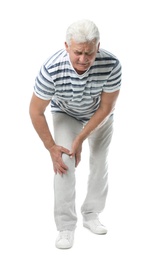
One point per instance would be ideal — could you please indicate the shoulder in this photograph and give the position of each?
(58, 58)
(106, 56)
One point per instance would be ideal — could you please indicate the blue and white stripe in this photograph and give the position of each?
(74, 94)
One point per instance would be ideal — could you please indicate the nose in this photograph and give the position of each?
(83, 58)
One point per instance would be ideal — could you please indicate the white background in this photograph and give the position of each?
(30, 32)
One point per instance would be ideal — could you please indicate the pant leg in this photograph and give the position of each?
(99, 142)
(65, 130)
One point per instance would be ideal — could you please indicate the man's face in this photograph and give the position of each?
(82, 55)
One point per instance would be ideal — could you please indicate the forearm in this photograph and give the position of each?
(107, 105)
(40, 124)
(98, 118)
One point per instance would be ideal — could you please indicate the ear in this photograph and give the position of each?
(66, 46)
(98, 47)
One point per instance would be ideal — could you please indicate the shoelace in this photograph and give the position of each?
(97, 222)
(64, 234)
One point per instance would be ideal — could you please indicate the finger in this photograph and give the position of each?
(65, 150)
(60, 168)
(71, 154)
(77, 159)
(61, 171)
(55, 171)
(63, 166)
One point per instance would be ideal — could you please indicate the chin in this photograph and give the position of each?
(82, 68)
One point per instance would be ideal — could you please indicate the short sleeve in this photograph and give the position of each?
(44, 85)
(114, 81)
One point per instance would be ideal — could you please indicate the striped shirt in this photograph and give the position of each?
(77, 95)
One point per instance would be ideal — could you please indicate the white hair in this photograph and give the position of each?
(82, 31)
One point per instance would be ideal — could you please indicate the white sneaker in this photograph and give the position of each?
(95, 226)
(65, 239)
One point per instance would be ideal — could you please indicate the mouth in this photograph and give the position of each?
(83, 64)
(81, 67)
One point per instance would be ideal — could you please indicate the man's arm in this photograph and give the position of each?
(37, 113)
(107, 104)
(37, 110)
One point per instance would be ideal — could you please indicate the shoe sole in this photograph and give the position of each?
(97, 233)
(64, 248)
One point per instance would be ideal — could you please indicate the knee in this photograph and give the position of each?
(70, 162)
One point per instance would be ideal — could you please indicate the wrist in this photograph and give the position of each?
(80, 138)
(49, 146)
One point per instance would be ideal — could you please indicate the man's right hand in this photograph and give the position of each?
(56, 152)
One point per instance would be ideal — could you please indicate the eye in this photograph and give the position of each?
(89, 53)
(77, 53)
